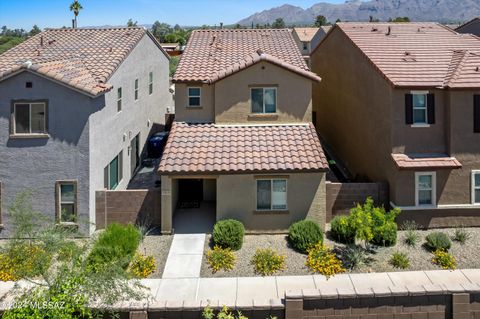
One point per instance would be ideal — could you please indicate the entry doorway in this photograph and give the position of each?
(135, 154)
(190, 193)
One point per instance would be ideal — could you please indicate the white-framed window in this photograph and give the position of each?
(119, 99)
(113, 172)
(150, 83)
(66, 201)
(136, 89)
(425, 189)
(194, 96)
(264, 99)
(476, 187)
(271, 194)
(29, 118)
(305, 46)
(419, 104)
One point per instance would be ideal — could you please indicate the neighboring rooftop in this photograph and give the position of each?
(81, 58)
(210, 53)
(306, 34)
(211, 148)
(474, 21)
(418, 54)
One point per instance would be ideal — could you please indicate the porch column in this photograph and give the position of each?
(167, 205)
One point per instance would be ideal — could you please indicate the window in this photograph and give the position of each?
(194, 97)
(150, 83)
(136, 89)
(425, 192)
(113, 172)
(305, 46)
(119, 99)
(476, 113)
(30, 118)
(271, 194)
(66, 201)
(264, 100)
(476, 187)
(419, 108)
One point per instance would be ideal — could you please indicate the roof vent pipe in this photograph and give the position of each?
(41, 40)
(221, 25)
(389, 30)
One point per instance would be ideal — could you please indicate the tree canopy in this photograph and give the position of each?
(278, 23)
(320, 21)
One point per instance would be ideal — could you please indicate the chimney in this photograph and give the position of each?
(221, 25)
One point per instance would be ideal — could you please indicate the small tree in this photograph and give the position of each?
(320, 21)
(35, 30)
(130, 23)
(278, 24)
(56, 266)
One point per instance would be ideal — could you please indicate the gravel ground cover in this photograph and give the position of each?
(467, 255)
(158, 247)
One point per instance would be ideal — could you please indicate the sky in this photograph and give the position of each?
(55, 13)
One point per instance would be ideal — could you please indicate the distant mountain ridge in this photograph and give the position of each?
(445, 11)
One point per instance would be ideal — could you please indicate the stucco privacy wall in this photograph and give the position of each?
(228, 101)
(140, 206)
(112, 131)
(35, 164)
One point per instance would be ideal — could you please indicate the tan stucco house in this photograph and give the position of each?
(242, 136)
(308, 38)
(400, 103)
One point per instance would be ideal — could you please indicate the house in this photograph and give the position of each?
(173, 49)
(472, 26)
(307, 39)
(76, 107)
(400, 103)
(243, 137)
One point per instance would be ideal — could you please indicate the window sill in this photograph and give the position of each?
(263, 116)
(194, 107)
(420, 125)
(67, 224)
(271, 212)
(29, 136)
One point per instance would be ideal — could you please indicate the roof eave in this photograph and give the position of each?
(240, 172)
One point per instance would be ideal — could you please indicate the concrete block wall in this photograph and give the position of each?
(127, 206)
(343, 196)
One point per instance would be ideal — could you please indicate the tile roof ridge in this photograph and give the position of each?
(97, 29)
(455, 67)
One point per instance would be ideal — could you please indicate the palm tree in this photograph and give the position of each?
(75, 7)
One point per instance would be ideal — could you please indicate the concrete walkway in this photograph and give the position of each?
(185, 256)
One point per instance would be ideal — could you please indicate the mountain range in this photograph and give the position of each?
(445, 11)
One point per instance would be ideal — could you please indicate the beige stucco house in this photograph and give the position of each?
(242, 137)
(400, 103)
(307, 39)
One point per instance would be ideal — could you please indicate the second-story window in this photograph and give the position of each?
(30, 118)
(119, 99)
(136, 89)
(305, 46)
(194, 97)
(420, 108)
(264, 100)
(150, 83)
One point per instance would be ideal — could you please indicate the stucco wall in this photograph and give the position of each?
(236, 198)
(36, 164)
(473, 28)
(203, 114)
(352, 107)
(112, 131)
(228, 100)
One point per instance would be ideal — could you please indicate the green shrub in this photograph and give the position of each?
(444, 259)
(438, 241)
(267, 262)
(304, 234)
(400, 260)
(220, 258)
(228, 233)
(461, 235)
(384, 228)
(412, 237)
(341, 230)
(117, 244)
(353, 256)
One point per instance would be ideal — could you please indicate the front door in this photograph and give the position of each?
(134, 153)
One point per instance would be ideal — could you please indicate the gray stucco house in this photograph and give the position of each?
(76, 107)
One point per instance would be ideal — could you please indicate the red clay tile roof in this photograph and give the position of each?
(418, 54)
(306, 34)
(210, 53)
(404, 161)
(210, 148)
(81, 58)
